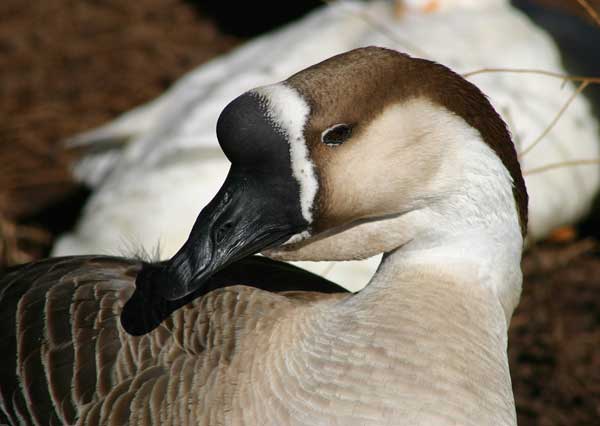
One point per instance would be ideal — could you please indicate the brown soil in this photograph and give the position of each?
(69, 65)
(554, 342)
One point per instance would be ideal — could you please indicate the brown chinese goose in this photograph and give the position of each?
(370, 151)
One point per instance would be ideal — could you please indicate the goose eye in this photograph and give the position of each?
(336, 135)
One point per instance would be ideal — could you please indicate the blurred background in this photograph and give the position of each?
(68, 66)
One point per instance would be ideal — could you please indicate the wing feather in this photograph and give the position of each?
(67, 359)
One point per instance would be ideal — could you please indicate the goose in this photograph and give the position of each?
(172, 163)
(411, 161)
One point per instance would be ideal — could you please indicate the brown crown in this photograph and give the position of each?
(386, 77)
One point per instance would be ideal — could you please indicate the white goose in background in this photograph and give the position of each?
(147, 193)
(423, 170)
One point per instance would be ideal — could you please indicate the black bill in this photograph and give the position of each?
(251, 212)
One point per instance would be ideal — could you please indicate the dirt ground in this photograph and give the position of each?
(69, 65)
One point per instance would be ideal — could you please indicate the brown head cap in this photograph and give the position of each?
(386, 77)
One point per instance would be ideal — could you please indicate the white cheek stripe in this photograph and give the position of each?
(289, 112)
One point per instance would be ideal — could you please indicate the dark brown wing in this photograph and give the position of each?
(57, 319)
(64, 354)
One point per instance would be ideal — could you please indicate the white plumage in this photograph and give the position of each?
(150, 192)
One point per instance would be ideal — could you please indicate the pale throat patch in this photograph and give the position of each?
(288, 111)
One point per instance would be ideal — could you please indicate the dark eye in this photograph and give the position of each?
(336, 135)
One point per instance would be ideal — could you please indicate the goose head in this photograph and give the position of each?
(366, 152)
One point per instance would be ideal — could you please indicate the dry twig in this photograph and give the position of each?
(568, 163)
(590, 11)
(565, 77)
(585, 81)
(550, 126)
